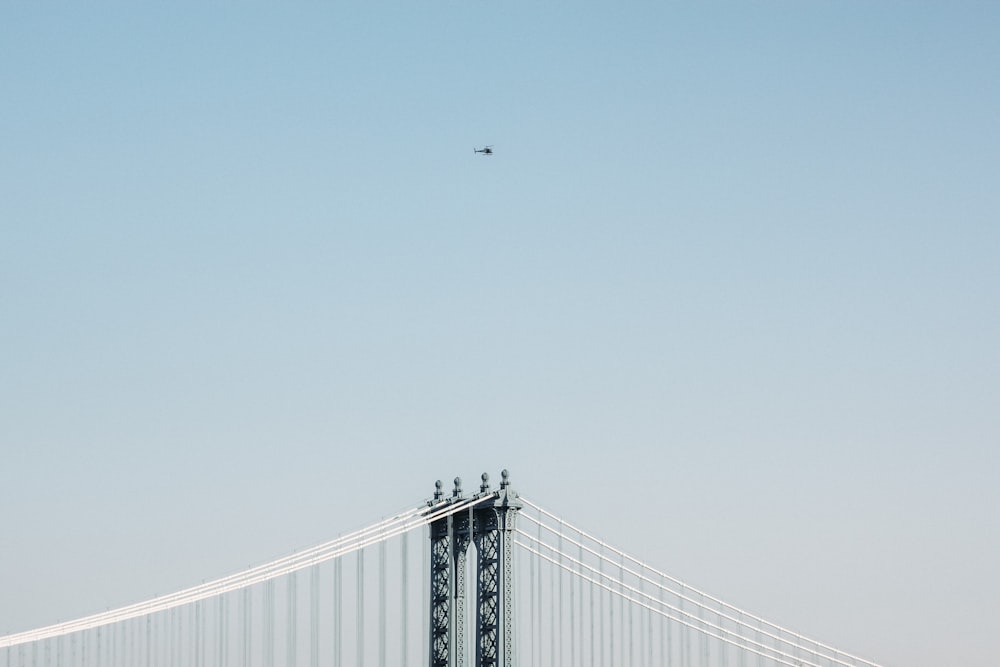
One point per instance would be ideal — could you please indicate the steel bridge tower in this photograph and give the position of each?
(489, 525)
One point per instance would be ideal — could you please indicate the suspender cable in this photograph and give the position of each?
(559, 603)
(360, 615)
(579, 615)
(830, 653)
(552, 614)
(291, 626)
(697, 597)
(314, 616)
(626, 592)
(381, 604)
(202, 634)
(572, 621)
(532, 617)
(219, 634)
(245, 644)
(269, 623)
(590, 600)
(225, 630)
(338, 615)
(703, 639)
(601, 610)
(665, 656)
(404, 592)
(192, 629)
(624, 640)
(425, 586)
(635, 596)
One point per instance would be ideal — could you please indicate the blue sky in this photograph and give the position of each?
(726, 294)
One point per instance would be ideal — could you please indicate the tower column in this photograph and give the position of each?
(440, 597)
(489, 524)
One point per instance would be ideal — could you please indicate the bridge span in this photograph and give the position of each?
(485, 578)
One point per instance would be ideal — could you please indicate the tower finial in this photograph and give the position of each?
(458, 488)
(485, 486)
(437, 490)
(504, 479)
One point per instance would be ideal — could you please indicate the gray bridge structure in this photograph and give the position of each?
(488, 524)
(498, 581)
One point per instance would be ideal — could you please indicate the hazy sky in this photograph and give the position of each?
(728, 293)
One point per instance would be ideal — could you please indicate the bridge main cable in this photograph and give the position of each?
(828, 652)
(385, 529)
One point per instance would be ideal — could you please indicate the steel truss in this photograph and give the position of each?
(488, 524)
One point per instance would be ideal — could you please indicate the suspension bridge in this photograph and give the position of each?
(486, 578)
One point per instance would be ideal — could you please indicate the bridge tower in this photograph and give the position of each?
(486, 519)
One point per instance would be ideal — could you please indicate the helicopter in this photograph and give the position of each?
(485, 150)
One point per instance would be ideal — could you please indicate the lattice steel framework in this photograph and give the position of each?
(489, 524)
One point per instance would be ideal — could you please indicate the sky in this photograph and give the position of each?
(725, 295)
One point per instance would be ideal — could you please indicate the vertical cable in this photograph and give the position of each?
(579, 599)
(425, 587)
(702, 636)
(590, 599)
(199, 619)
(683, 630)
(649, 637)
(740, 652)
(572, 620)
(552, 613)
(224, 604)
(533, 595)
(642, 622)
(559, 603)
(360, 648)
(630, 637)
(405, 594)
(269, 623)
(723, 646)
(622, 639)
(245, 645)
(665, 656)
(314, 617)
(338, 653)
(381, 603)
(192, 636)
(291, 629)
(203, 631)
(220, 639)
(606, 595)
